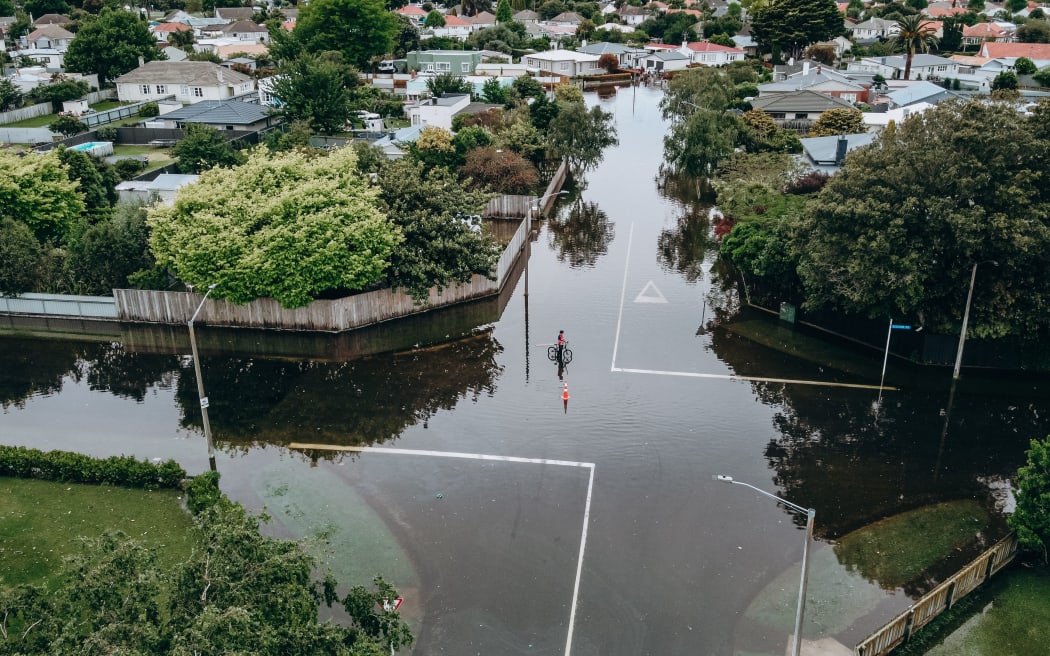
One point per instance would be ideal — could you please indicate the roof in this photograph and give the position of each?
(994, 50)
(185, 72)
(243, 26)
(455, 21)
(606, 48)
(229, 112)
(896, 115)
(567, 17)
(937, 12)
(983, 30)
(234, 13)
(483, 18)
(800, 101)
(707, 46)
(666, 55)
(970, 60)
(562, 55)
(50, 31)
(824, 150)
(53, 19)
(526, 15)
(411, 10)
(813, 78)
(171, 27)
(175, 54)
(631, 10)
(916, 92)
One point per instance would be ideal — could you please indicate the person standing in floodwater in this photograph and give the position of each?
(561, 344)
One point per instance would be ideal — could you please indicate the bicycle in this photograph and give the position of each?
(566, 354)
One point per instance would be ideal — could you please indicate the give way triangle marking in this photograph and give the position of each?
(650, 294)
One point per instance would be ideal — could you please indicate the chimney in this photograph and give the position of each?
(805, 68)
(218, 74)
(142, 62)
(820, 68)
(584, 43)
(840, 150)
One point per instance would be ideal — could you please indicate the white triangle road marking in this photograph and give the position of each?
(645, 296)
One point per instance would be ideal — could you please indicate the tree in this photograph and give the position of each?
(311, 88)
(41, 7)
(779, 26)
(581, 136)
(10, 95)
(838, 121)
(493, 92)
(1043, 77)
(527, 86)
(447, 82)
(95, 179)
(609, 62)
(703, 132)
(1034, 31)
(1005, 81)
(915, 32)
(111, 45)
(67, 126)
(110, 252)
(434, 148)
(504, 14)
(434, 19)
(501, 171)
(442, 247)
(469, 138)
(1024, 66)
(19, 258)
(1030, 520)
(203, 147)
(38, 192)
(59, 92)
(406, 38)
(951, 34)
(1014, 6)
(182, 39)
(309, 225)
(896, 231)
(7, 8)
(360, 29)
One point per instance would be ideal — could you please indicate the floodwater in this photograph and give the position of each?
(516, 522)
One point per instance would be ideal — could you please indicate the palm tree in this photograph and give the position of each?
(914, 32)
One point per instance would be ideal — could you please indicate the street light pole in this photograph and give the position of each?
(200, 381)
(966, 317)
(810, 514)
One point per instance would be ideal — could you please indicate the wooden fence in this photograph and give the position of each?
(938, 600)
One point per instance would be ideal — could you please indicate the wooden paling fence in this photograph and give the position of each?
(938, 600)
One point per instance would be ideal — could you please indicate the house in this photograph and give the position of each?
(455, 27)
(840, 45)
(162, 188)
(53, 19)
(414, 13)
(566, 19)
(712, 54)
(174, 54)
(48, 37)
(746, 43)
(923, 66)
(626, 55)
(188, 81)
(878, 121)
(828, 154)
(394, 145)
(919, 92)
(162, 31)
(246, 30)
(819, 79)
(566, 63)
(662, 61)
(231, 14)
(460, 62)
(527, 17)
(228, 47)
(973, 35)
(799, 105)
(872, 30)
(1037, 52)
(438, 112)
(482, 20)
(49, 57)
(941, 10)
(222, 115)
(631, 15)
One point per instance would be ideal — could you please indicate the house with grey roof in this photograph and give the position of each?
(821, 79)
(162, 188)
(828, 154)
(664, 60)
(872, 30)
(920, 92)
(923, 66)
(53, 19)
(527, 17)
(632, 15)
(245, 30)
(222, 115)
(48, 37)
(230, 14)
(567, 19)
(799, 105)
(627, 56)
(188, 81)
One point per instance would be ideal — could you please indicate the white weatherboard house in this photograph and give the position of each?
(563, 62)
(188, 81)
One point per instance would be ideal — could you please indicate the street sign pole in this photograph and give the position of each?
(886, 355)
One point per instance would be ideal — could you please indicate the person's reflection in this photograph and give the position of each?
(561, 369)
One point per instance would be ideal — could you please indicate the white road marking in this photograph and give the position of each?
(623, 293)
(485, 456)
(645, 296)
(759, 379)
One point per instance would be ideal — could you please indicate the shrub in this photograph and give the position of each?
(149, 110)
(69, 467)
(810, 183)
(106, 133)
(202, 492)
(129, 168)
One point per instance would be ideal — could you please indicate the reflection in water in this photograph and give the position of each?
(583, 235)
(683, 248)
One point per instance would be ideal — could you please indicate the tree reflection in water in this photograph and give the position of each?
(582, 235)
(683, 248)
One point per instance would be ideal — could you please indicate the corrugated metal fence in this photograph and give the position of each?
(938, 600)
(94, 307)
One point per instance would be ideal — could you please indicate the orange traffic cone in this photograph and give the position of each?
(565, 393)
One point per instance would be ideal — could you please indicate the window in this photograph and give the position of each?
(198, 92)
(464, 67)
(145, 89)
(429, 68)
(184, 91)
(778, 115)
(443, 67)
(162, 89)
(801, 115)
(565, 66)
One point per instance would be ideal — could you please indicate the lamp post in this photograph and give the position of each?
(200, 380)
(966, 317)
(810, 513)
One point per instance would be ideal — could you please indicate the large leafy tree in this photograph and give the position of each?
(581, 135)
(111, 251)
(447, 82)
(10, 95)
(287, 226)
(96, 180)
(703, 131)
(19, 258)
(838, 121)
(111, 45)
(789, 26)
(443, 246)
(203, 147)
(915, 33)
(1031, 519)
(37, 191)
(311, 88)
(360, 29)
(897, 231)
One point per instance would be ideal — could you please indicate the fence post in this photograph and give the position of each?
(908, 624)
(949, 598)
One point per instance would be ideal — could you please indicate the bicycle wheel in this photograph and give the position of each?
(566, 356)
(552, 353)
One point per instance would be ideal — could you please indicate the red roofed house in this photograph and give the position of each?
(414, 12)
(164, 30)
(941, 12)
(455, 27)
(1037, 52)
(711, 54)
(981, 32)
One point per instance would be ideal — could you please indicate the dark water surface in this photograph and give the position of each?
(486, 551)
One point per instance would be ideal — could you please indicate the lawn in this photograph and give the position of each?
(40, 522)
(35, 122)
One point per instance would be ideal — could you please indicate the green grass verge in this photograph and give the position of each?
(41, 521)
(1008, 616)
(35, 122)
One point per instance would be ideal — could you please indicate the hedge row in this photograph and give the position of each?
(68, 467)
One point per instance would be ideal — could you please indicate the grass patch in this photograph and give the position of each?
(34, 122)
(1009, 616)
(41, 521)
(106, 104)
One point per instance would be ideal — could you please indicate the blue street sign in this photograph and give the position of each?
(899, 326)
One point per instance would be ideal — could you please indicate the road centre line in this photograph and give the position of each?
(495, 458)
(755, 379)
(623, 293)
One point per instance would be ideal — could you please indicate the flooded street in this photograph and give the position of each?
(515, 522)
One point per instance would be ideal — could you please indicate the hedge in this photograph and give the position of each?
(68, 467)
